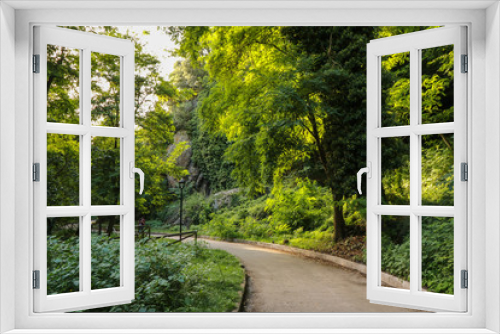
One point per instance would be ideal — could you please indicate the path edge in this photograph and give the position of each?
(243, 292)
(386, 278)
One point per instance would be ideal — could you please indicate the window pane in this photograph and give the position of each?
(396, 246)
(395, 99)
(437, 84)
(63, 85)
(105, 89)
(396, 171)
(437, 254)
(63, 170)
(437, 170)
(105, 252)
(105, 171)
(63, 255)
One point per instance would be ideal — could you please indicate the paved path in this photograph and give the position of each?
(283, 282)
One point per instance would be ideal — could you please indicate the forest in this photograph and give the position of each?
(268, 127)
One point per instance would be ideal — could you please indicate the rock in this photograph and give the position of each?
(184, 160)
(196, 178)
(224, 198)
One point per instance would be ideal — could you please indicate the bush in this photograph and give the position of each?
(63, 257)
(253, 228)
(178, 278)
(198, 209)
(222, 227)
(306, 205)
(437, 255)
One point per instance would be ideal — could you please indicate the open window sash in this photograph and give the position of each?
(86, 296)
(416, 296)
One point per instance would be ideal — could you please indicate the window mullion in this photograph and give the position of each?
(85, 243)
(414, 170)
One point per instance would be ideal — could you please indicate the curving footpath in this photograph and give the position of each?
(284, 282)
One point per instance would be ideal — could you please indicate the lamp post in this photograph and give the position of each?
(182, 183)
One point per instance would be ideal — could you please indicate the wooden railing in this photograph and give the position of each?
(181, 236)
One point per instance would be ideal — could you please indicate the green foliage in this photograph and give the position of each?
(247, 219)
(208, 148)
(396, 257)
(316, 240)
(437, 253)
(178, 278)
(396, 171)
(63, 273)
(305, 205)
(263, 106)
(105, 169)
(438, 170)
(63, 170)
(63, 79)
(222, 227)
(209, 151)
(288, 99)
(154, 131)
(189, 81)
(355, 210)
(298, 213)
(105, 262)
(198, 209)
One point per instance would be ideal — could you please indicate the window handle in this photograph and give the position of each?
(368, 171)
(134, 170)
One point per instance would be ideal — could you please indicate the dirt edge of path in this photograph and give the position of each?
(387, 279)
(243, 292)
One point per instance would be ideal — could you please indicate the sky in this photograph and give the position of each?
(158, 44)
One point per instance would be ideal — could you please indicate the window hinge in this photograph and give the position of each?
(464, 168)
(36, 63)
(465, 63)
(36, 172)
(36, 279)
(465, 279)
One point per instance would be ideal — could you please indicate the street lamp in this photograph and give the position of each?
(182, 184)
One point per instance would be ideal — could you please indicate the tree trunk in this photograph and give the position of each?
(111, 223)
(50, 225)
(99, 223)
(338, 219)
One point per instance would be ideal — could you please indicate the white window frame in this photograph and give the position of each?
(483, 20)
(414, 43)
(85, 43)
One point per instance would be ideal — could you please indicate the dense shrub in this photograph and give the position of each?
(197, 209)
(300, 211)
(178, 278)
(305, 205)
(63, 273)
(437, 255)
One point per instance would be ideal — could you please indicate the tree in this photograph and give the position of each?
(154, 126)
(287, 100)
(339, 67)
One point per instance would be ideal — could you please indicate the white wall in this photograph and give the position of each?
(492, 149)
(371, 17)
(7, 162)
